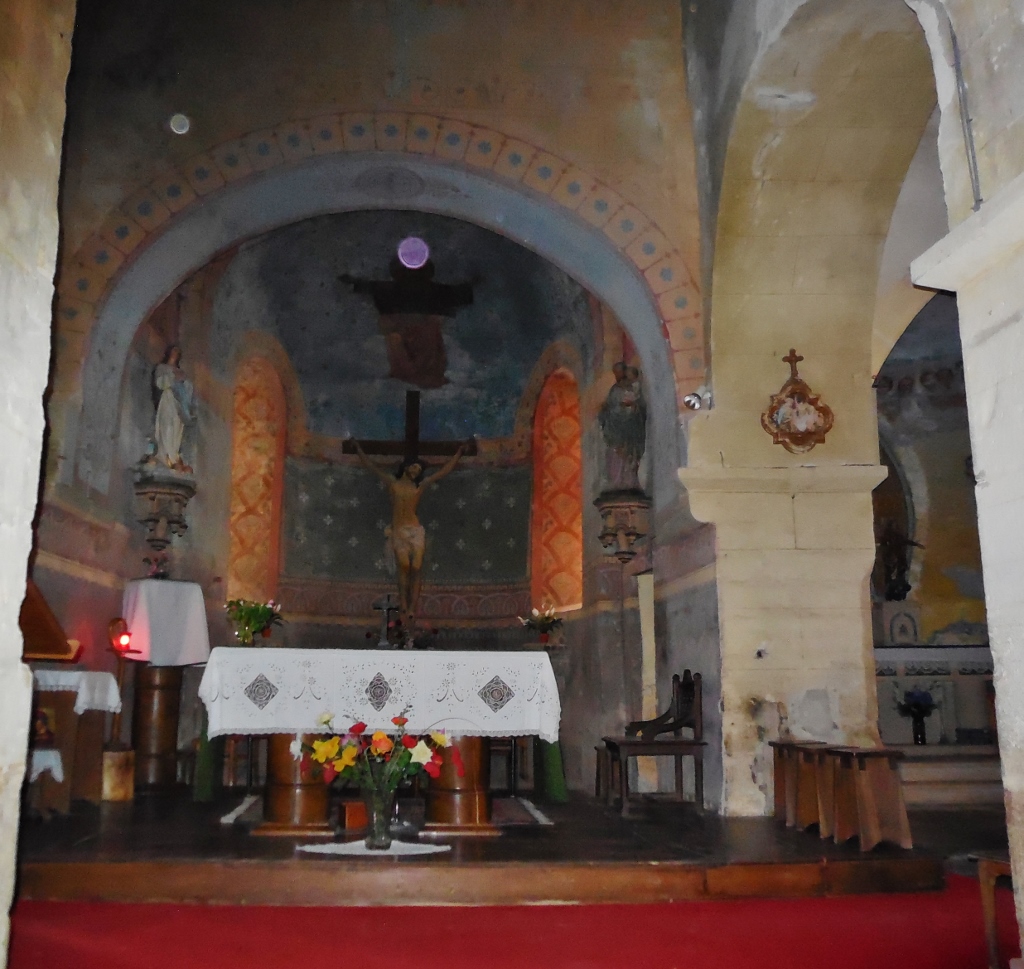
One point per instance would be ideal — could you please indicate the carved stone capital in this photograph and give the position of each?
(625, 520)
(161, 496)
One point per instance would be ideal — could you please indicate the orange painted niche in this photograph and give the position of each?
(556, 527)
(257, 481)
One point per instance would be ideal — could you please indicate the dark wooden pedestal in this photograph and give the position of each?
(462, 805)
(155, 726)
(295, 802)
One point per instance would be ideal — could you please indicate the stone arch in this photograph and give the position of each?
(257, 480)
(351, 161)
(824, 133)
(556, 528)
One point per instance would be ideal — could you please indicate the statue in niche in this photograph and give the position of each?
(893, 548)
(623, 420)
(175, 409)
(406, 538)
(411, 308)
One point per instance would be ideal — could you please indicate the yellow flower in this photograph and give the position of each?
(421, 753)
(381, 743)
(441, 739)
(325, 750)
(349, 755)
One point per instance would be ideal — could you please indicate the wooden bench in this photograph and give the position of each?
(845, 791)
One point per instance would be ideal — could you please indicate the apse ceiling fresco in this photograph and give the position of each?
(289, 284)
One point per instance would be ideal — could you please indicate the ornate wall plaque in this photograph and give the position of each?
(795, 417)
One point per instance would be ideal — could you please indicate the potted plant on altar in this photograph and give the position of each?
(251, 618)
(378, 763)
(543, 621)
(918, 705)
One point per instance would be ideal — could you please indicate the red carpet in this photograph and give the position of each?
(941, 930)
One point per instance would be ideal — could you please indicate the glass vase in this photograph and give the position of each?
(380, 808)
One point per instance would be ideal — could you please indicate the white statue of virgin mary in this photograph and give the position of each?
(174, 409)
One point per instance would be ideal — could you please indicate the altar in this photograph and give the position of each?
(470, 695)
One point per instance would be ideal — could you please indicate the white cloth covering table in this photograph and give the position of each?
(167, 622)
(46, 759)
(93, 690)
(474, 693)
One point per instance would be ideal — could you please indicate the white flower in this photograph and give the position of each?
(421, 753)
(324, 720)
(295, 749)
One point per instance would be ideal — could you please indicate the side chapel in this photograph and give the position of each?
(695, 324)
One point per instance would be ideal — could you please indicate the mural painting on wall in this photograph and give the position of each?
(623, 420)
(288, 285)
(411, 308)
(795, 417)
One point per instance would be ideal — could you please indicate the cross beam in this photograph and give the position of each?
(412, 448)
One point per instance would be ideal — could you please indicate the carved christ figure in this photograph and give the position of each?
(411, 308)
(406, 538)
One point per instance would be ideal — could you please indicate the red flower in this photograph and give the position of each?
(460, 768)
(399, 721)
(409, 742)
(329, 773)
(357, 728)
(432, 769)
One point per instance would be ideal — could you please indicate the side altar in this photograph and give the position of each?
(471, 695)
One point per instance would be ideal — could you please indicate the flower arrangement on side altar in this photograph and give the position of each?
(918, 704)
(251, 618)
(378, 762)
(542, 620)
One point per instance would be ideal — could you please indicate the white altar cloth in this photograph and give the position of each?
(48, 759)
(167, 620)
(471, 693)
(95, 691)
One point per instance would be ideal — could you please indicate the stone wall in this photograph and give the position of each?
(35, 40)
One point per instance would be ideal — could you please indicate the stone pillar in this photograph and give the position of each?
(795, 547)
(982, 260)
(35, 40)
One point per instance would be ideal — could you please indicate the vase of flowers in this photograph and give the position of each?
(251, 618)
(379, 762)
(543, 621)
(918, 705)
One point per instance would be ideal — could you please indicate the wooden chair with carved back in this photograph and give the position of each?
(647, 738)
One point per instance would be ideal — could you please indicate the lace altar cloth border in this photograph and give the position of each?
(94, 690)
(465, 693)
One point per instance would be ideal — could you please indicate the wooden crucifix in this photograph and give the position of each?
(406, 538)
(411, 448)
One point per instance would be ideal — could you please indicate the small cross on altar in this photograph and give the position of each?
(386, 607)
(792, 359)
(412, 448)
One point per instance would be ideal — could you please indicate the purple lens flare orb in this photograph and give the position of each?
(413, 252)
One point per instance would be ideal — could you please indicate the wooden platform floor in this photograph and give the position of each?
(168, 849)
